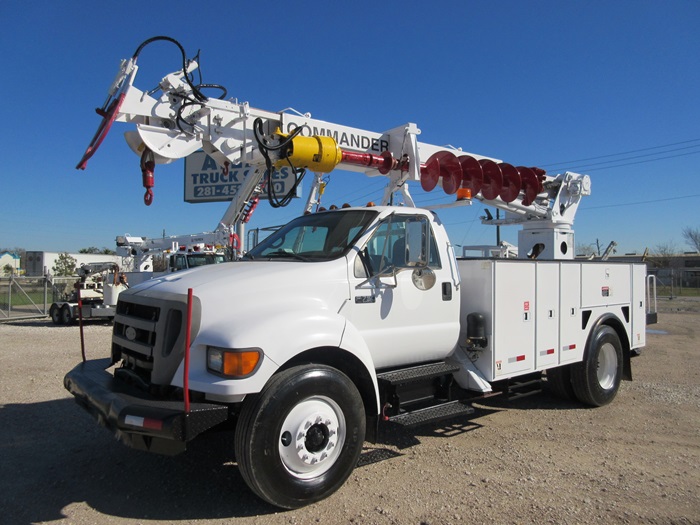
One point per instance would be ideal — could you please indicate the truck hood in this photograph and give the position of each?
(248, 284)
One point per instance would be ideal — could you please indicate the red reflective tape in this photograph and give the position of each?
(520, 358)
(550, 351)
(153, 424)
(144, 422)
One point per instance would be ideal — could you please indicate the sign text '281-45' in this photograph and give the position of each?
(206, 181)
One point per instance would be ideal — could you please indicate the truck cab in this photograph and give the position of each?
(397, 296)
(186, 260)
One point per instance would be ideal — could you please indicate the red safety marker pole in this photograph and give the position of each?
(80, 322)
(188, 332)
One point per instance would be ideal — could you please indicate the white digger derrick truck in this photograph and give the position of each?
(180, 252)
(354, 317)
(92, 296)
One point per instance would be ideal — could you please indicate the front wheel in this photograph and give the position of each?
(300, 438)
(596, 379)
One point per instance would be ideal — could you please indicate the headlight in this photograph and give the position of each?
(233, 363)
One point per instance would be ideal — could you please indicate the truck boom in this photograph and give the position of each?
(183, 120)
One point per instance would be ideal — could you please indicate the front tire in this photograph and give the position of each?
(596, 379)
(300, 438)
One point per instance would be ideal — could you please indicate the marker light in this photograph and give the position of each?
(233, 363)
(464, 194)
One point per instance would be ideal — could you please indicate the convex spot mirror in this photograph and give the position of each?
(423, 278)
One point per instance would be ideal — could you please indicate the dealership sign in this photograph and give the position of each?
(207, 181)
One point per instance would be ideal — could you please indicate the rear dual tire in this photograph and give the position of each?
(596, 380)
(61, 315)
(66, 315)
(559, 381)
(55, 314)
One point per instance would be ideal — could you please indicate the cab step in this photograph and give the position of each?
(416, 373)
(432, 414)
(523, 387)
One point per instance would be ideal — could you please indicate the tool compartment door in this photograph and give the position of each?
(514, 312)
(571, 334)
(639, 306)
(605, 284)
(547, 315)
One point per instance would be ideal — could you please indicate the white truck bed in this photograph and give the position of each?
(546, 309)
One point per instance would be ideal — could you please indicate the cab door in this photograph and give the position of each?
(402, 294)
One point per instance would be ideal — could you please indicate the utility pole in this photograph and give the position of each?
(498, 227)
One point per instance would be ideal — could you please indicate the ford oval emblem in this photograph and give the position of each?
(130, 333)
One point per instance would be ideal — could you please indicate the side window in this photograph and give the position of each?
(399, 242)
(434, 253)
(177, 262)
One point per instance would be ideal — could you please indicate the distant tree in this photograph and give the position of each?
(692, 237)
(94, 249)
(8, 269)
(663, 253)
(64, 266)
(160, 263)
(585, 250)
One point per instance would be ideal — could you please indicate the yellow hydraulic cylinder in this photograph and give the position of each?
(319, 153)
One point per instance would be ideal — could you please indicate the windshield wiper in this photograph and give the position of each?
(282, 253)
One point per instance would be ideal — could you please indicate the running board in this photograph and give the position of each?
(432, 414)
(522, 388)
(417, 373)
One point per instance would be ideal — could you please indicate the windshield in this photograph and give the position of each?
(315, 237)
(200, 259)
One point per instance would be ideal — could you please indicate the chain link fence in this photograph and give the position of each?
(677, 282)
(31, 297)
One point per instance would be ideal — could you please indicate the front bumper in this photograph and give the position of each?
(136, 418)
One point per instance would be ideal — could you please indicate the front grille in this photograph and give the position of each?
(142, 311)
(149, 335)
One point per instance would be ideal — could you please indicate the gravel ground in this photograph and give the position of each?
(537, 460)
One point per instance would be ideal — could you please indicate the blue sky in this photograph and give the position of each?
(542, 83)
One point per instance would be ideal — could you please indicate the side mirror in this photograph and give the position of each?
(417, 246)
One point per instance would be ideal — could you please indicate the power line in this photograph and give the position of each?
(635, 162)
(654, 201)
(567, 162)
